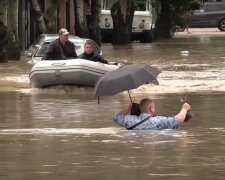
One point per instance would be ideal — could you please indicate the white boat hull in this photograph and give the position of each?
(77, 72)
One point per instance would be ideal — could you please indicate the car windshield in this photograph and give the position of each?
(42, 50)
(45, 46)
(214, 7)
(108, 4)
(140, 5)
(39, 40)
(79, 47)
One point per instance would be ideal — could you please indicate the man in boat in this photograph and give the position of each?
(147, 119)
(61, 48)
(89, 54)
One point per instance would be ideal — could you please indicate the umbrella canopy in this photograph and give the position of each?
(125, 78)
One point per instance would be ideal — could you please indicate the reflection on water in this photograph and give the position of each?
(202, 70)
(56, 135)
(52, 131)
(63, 133)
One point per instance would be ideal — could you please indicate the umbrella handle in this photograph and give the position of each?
(130, 97)
(98, 100)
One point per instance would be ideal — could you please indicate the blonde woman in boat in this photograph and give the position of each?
(90, 55)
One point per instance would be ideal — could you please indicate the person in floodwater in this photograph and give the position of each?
(61, 48)
(147, 119)
(89, 54)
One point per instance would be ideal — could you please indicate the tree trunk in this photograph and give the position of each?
(13, 46)
(50, 15)
(3, 42)
(93, 25)
(41, 27)
(122, 14)
(163, 23)
(81, 27)
(3, 30)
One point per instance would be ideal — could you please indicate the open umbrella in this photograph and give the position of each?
(125, 78)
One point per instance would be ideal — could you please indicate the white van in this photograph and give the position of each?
(143, 21)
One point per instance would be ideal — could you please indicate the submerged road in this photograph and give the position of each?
(64, 133)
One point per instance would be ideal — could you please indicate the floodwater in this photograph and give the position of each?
(63, 133)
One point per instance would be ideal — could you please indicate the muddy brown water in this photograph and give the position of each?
(62, 133)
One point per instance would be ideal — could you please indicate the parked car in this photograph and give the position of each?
(37, 50)
(38, 41)
(211, 14)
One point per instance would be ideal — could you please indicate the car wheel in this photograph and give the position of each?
(222, 25)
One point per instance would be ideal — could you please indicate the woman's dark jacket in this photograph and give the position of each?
(93, 57)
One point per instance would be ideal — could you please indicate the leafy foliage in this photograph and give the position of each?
(180, 11)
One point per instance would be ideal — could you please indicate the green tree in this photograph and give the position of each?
(87, 19)
(93, 24)
(3, 42)
(3, 30)
(13, 45)
(45, 21)
(50, 15)
(181, 10)
(122, 14)
(9, 42)
(38, 16)
(174, 14)
(81, 27)
(163, 22)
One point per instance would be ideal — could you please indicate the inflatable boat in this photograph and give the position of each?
(79, 72)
